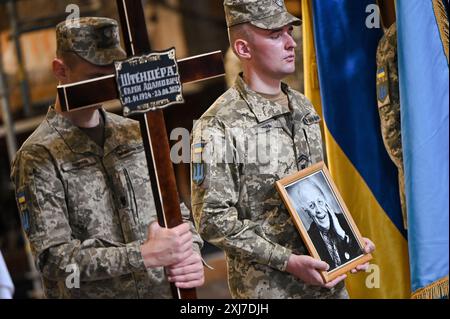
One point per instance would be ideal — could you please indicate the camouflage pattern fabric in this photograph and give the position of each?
(89, 207)
(94, 39)
(240, 147)
(389, 105)
(264, 14)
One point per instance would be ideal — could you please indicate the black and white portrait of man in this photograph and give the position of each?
(324, 221)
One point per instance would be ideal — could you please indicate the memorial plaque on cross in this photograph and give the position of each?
(146, 83)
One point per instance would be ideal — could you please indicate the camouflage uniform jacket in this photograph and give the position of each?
(388, 98)
(88, 208)
(240, 147)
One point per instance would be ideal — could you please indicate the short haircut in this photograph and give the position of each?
(239, 31)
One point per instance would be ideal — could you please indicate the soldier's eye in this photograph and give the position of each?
(312, 205)
(275, 35)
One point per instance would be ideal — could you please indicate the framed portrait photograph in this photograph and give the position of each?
(323, 220)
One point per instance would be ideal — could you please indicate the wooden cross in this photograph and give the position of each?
(153, 129)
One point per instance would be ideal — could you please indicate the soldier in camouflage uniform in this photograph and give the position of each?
(389, 105)
(256, 133)
(84, 194)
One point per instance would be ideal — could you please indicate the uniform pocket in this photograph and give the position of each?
(264, 146)
(313, 136)
(132, 196)
(124, 151)
(126, 203)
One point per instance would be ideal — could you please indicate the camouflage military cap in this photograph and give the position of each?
(264, 14)
(94, 39)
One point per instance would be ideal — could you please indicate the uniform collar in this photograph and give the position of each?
(259, 105)
(76, 139)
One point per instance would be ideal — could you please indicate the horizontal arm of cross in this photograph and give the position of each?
(91, 93)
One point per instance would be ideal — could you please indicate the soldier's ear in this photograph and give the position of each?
(242, 49)
(60, 70)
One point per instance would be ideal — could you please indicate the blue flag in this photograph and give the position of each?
(366, 177)
(424, 97)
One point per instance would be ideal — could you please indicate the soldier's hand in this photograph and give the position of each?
(188, 273)
(308, 270)
(368, 248)
(166, 246)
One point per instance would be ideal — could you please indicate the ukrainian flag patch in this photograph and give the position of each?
(21, 198)
(24, 212)
(198, 148)
(382, 86)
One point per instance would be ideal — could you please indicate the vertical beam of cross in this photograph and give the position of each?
(153, 130)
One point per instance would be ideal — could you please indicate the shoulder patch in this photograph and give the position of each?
(22, 204)
(198, 173)
(382, 86)
(198, 148)
(198, 165)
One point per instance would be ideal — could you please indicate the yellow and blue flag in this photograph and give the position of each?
(366, 177)
(424, 96)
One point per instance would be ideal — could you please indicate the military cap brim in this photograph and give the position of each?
(103, 57)
(276, 21)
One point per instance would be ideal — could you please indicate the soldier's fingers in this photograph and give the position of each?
(183, 240)
(369, 247)
(182, 246)
(186, 237)
(190, 284)
(182, 256)
(362, 267)
(177, 271)
(335, 281)
(194, 258)
(190, 260)
(319, 264)
(317, 279)
(186, 277)
(153, 228)
(181, 229)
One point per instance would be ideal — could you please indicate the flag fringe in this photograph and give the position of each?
(435, 290)
(440, 12)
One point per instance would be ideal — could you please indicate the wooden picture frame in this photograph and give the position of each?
(316, 207)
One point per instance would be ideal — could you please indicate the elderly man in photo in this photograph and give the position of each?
(327, 227)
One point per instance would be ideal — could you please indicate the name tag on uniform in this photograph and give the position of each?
(311, 118)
